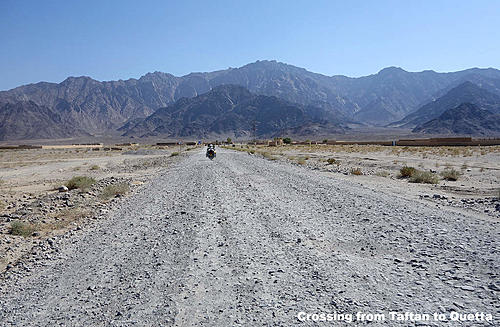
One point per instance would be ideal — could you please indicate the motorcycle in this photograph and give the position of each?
(211, 154)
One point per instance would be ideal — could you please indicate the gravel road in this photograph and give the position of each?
(244, 241)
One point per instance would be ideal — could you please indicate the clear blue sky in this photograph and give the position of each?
(50, 40)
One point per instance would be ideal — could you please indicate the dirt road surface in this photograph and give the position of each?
(244, 241)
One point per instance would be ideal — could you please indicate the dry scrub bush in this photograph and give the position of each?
(64, 218)
(22, 228)
(267, 155)
(111, 191)
(424, 177)
(383, 173)
(356, 171)
(80, 182)
(301, 161)
(407, 171)
(332, 161)
(450, 174)
(174, 154)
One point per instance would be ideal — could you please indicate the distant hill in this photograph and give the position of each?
(26, 120)
(465, 119)
(466, 92)
(231, 110)
(100, 108)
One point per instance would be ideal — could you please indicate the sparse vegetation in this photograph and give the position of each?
(424, 177)
(356, 171)
(80, 182)
(407, 171)
(111, 191)
(20, 228)
(450, 174)
(63, 219)
(287, 140)
(301, 161)
(94, 167)
(383, 173)
(332, 161)
(268, 155)
(174, 154)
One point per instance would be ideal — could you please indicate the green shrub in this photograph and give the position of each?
(450, 174)
(287, 140)
(424, 177)
(407, 171)
(21, 228)
(174, 154)
(111, 191)
(80, 182)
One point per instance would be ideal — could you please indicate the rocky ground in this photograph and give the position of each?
(29, 191)
(476, 190)
(246, 241)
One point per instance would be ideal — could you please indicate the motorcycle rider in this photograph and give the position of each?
(211, 151)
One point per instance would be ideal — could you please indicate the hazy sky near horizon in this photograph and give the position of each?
(108, 40)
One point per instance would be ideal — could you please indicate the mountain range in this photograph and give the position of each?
(232, 110)
(117, 107)
(465, 119)
(466, 92)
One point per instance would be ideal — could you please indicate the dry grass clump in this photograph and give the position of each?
(424, 177)
(332, 161)
(301, 161)
(20, 228)
(407, 171)
(94, 167)
(64, 218)
(111, 191)
(356, 171)
(450, 174)
(174, 154)
(80, 182)
(383, 173)
(268, 155)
